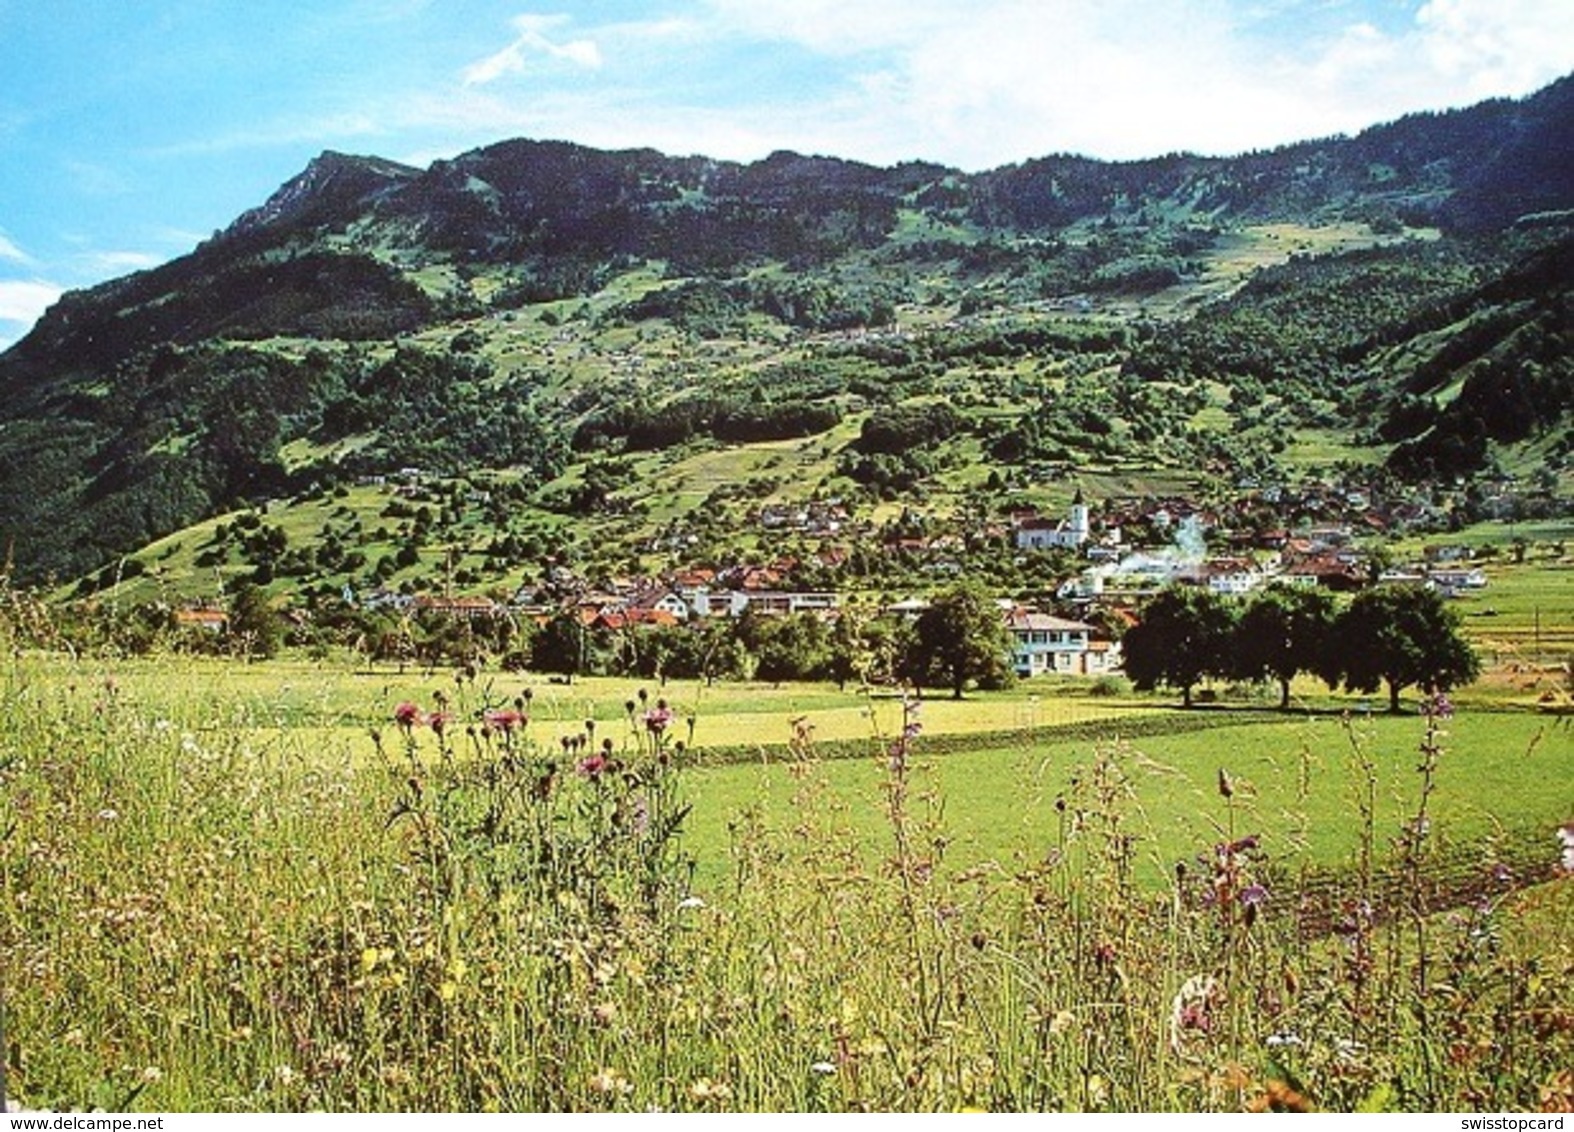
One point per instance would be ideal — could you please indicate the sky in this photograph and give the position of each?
(130, 130)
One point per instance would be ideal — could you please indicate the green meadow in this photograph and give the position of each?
(232, 886)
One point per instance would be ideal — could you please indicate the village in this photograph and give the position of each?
(1107, 559)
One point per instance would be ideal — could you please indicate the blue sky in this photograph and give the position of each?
(132, 129)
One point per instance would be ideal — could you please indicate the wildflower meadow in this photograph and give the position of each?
(461, 897)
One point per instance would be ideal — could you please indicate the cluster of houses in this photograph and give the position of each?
(1041, 643)
(816, 518)
(1322, 556)
(1183, 544)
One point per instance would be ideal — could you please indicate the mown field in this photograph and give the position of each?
(247, 887)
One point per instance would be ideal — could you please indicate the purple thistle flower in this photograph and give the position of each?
(503, 719)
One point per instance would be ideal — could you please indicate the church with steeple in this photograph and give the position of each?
(1070, 533)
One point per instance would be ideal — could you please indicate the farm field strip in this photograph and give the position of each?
(1015, 753)
(1296, 785)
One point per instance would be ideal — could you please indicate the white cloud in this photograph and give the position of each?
(1001, 80)
(835, 27)
(96, 179)
(532, 39)
(975, 85)
(1497, 46)
(13, 254)
(24, 300)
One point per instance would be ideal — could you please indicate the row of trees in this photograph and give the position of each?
(1394, 635)
(959, 641)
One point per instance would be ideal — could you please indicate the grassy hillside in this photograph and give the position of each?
(559, 315)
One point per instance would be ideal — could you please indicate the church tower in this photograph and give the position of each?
(1080, 529)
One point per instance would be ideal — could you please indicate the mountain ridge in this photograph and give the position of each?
(364, 290)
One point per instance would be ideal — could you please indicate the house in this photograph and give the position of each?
(776, 516)
(1328, 571)
(733, 602)
(1401, 577)
(458, 608)
(615, 620)
(1231, 576)
(1457, 579)
(388, 599)
(664, 601)
(1041, 644)
(531, 599)
(910, 608)
(780, 602)
(208, 620)
(1328, 538)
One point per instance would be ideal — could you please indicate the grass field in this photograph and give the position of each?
(1507, 766)
(1297, 780)
(221, 892)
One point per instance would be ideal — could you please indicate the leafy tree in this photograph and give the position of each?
(564, 646)
(714, 652)
(960, 639)
(254, 624)
(1281, 633)
(850, 656)
(1184, 635)
(648, 651)
(792, 648)
(897, 431)
(1399, 636)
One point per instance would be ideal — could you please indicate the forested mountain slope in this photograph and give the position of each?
(543, 307)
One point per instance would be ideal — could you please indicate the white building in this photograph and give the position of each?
(1232, 576)
(1041, 644)
(662, 601)
(1458, 579)
(703, 602)
(1045, 534)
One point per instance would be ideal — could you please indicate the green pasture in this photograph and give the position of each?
(1300, 783)
(336, 699)
(1525, 615)
(221, 897)
(814, 754)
